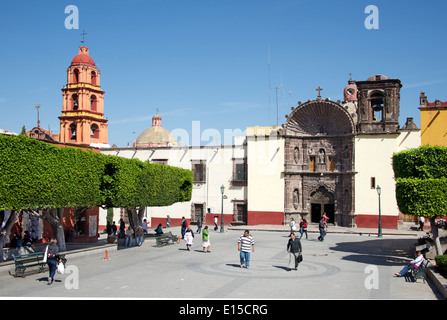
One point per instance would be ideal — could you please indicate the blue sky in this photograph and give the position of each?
(207, 60)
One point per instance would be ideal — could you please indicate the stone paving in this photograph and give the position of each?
(344, 266)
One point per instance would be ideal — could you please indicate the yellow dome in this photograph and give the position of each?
(156, 136)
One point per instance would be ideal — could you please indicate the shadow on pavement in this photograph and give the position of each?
(385, 252)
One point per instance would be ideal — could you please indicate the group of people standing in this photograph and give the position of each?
(129, 234)
(322, 227)
(188, 235)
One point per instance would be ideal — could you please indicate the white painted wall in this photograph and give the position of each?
(219, 165)
(373, 158)
(265, 153)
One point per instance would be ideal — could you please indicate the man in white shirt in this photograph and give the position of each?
(421, 223)
(244, 245)
(411, 265)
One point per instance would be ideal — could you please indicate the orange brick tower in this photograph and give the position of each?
(82, 120)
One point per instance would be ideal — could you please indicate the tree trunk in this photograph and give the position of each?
(434, 231)
(54, 218)
(136, 216)
(60, 234)
(13, 218)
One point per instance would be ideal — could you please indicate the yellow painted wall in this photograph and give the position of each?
(434, 126)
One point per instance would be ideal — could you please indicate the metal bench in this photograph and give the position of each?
(417, 273)
(421, 272)
(163, 239)
(24, 261)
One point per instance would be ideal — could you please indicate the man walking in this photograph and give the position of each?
(245, 245)
(294, 249)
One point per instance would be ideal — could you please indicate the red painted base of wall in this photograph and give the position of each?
(372, 221)
(265, 217)
(176, 222)
(253, 218)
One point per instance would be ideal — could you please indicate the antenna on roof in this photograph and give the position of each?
(83, 35)
(37, 106)
(269, 79)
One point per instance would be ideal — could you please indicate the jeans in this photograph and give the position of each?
(406, 269)
(129, 241)
(139, 241)
(322, 235)
(52, 266)
(303, 231)
(293, 256)
(245, 256)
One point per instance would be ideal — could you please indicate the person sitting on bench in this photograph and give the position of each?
(411, 265)
(159, 230)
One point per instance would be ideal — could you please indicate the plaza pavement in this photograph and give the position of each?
(347, 265)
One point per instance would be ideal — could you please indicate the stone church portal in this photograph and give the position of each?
(319, 163)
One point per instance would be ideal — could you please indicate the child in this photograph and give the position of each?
(189, 236)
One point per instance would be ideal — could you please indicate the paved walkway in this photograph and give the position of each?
(347, 265)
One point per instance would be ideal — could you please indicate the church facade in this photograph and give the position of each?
(327, 158)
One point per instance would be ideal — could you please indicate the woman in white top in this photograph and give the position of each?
(411, 265)
(292, 225)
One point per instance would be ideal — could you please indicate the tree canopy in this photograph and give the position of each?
(421, 181)
(38, 175)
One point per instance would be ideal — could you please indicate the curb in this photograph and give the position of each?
(438, 280)
(6, 267)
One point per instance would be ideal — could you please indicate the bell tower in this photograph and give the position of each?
(82, 120)
(378, 105)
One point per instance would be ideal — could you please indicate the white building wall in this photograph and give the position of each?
(219, 171)
(265, 154)
(373, 159)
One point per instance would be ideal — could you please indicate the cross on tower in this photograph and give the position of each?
(319, 91)
(83, 36)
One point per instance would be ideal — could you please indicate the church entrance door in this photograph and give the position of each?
(322, 202)
(316, 212)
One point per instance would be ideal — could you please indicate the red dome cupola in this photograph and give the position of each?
(83, 57)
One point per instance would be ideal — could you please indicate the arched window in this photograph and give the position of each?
(94, 131)
(73, 131)
(75, 76)
(93, 103)
(74, 102)
(377, 105)
(94, 77)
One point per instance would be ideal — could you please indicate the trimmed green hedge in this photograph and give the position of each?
(35, 174)
(38, 175)
(421, 181)
(129, 183)
(426, 197)
(441, 263)
(425, 162)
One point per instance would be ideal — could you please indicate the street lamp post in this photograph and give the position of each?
(222, 189)
(379, 191)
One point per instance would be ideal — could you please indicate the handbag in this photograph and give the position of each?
(60, 268)
(45, 255)
(299, 258)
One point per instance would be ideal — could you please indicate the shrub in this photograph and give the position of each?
(441, 262)
(425, 162)
(37, 175)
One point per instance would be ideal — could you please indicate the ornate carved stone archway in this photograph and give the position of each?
(319, 163)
